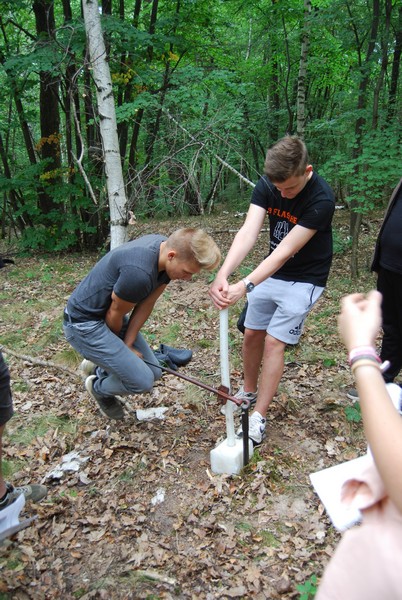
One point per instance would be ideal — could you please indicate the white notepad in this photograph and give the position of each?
(328, 485)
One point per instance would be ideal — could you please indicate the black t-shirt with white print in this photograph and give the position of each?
(312, 208)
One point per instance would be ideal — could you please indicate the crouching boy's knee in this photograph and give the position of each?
(145, 384)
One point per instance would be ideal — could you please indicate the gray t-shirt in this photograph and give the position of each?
(130, 271)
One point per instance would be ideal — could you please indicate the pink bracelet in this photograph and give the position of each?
(363, 352)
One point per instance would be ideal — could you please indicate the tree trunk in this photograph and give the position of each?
(289, 128)
(384, 62)
(355, 217)
(396, 63)
(15, 198)
(49, 106)
(301, 80)
(132, 163)
(108, 125)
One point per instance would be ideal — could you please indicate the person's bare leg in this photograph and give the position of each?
(271, 373)
(2, 482)
(252, 352)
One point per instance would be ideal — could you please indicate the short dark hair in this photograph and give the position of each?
(286, 158)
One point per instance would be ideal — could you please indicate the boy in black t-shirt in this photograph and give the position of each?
(282, 290)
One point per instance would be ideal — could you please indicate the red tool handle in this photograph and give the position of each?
(220, 392)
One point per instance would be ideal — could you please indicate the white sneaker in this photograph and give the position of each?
(109, 406)
(256, 428)
(242, 395)
(395, 393)
(87, 368)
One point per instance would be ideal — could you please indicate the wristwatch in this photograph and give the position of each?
(248, 284)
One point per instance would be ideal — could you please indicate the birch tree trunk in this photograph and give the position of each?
(107, 122)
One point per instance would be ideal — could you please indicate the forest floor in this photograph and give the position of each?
(144, 517)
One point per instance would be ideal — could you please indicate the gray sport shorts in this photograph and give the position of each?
(281, 307)
(6, 401)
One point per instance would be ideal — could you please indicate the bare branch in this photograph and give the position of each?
(80, 158)
(203, 146)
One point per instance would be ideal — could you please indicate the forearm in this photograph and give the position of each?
(290, 245)
(138, 318)
(359, 323)
(383, 428)
(265, 269)
(269, 266)
(140, 314)
(241, 246)
(114, 320)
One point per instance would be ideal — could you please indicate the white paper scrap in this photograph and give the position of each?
(151, 413)
(159, 497)
(69, 462)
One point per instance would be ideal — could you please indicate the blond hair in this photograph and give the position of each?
(287, 158)
(196, 245)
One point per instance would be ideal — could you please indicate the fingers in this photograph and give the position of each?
(360, 319)
(360, 302)
(218, 293)
(375, 298)
(235, 292)
(219, 300)
(352, 300)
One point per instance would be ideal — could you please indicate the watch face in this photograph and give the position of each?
(249, 285)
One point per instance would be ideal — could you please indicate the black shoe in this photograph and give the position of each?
(165, 360)
(108, 405)
(178, 356)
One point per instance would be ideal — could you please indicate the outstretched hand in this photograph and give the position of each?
(360, 319)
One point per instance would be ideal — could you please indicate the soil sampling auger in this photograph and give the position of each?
(233, 453)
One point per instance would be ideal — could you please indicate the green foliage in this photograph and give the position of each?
(341, 244)
(56, 232)
(308, 589)
(353, 413)
(360, 175)
(227, 72)
(130, 109)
